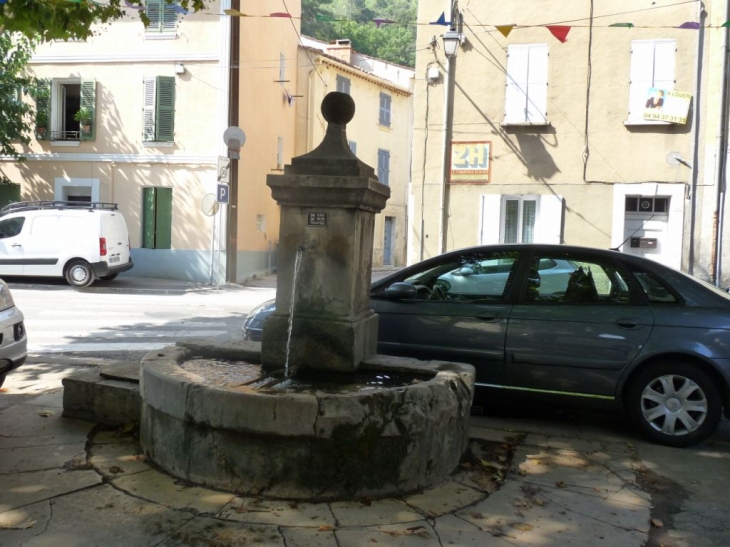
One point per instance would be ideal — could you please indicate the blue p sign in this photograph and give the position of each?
(223, 193)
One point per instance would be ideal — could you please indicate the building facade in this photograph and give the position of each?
(380, 134)
(601, 132)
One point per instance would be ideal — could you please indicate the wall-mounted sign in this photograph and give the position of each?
(316, 219)
(470, 162)
(664, 105)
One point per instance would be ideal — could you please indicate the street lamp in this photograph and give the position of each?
(452, 40)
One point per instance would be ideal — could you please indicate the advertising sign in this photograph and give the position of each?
(470, 161)
(664, 105)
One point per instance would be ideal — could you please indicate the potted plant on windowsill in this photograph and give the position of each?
(84, 116)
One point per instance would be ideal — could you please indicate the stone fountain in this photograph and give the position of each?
(322, 417)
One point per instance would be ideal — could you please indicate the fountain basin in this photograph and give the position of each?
(309, 444)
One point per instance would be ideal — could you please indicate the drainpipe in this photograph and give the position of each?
(721, 159)
(234, 84)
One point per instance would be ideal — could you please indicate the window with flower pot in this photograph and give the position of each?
(66, 109)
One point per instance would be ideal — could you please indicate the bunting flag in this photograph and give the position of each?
(559, 31)
(627, 25)
(380, 21)
(441, 20)
(505, 29)
(234, 13)
(280, 14)
(180, 9)
(320, 17)
(690, 25)
(726, 24)
(133, 6)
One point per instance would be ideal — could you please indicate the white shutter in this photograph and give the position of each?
(664, 52)
(537, 82)
(549, 224)
(149, 109)
(515, 103)
(491, 208)
(641, 77)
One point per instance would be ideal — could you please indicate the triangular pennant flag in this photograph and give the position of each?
(505, 29)
(380, 21)
(726, 24)
(74, 1)
(320, 17)
(559, 31)
(280, 14)
(180, 9)
(133, 6)
(627, 25)
(690, 25)
(441, 20)
(234, 13)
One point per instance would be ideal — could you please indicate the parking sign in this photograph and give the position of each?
(223, 193)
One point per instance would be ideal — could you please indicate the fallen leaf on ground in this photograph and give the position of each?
(656, 523)
(522, 526)
(560, 484)
(414, 531)
(45, 414)
(326, 528)
(116, 469)
(22, 526)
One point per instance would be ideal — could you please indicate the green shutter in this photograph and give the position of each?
(88, 100)
(163, 224)
(165, 109)
(148, 218)
(43, 110)
(154, 12)
(169, 18)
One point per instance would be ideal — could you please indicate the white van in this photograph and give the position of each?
(77, 240)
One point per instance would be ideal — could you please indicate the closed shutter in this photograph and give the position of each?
(165, 109)
(148, 218)
(150, 87)
(491, 207)
(163, 224)
(384, 166)
(549, 224)
(343, 84)
(641, 77)
(537, 83)
(43, 110)
(88, 101)
(515, 104)
(169, 17)
(385, 101)
(154, 12)
(664, 53)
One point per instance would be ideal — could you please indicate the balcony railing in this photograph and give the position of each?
(65, 135)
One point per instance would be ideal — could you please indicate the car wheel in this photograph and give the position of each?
(79, 274)
(674, 404)
(109, 277)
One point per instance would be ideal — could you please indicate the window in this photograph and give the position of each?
(526, 93)
(343, 84)
(260, 223)
(280, 153)
(66, 110)
(647, 204)
(654, 289)
(384, 109)
(157, 218)
(282, 67)
(163, 18)
(384, 166)
(652, 66)
(159, 109)
(520, 214)
(11, 227)
(353, 147)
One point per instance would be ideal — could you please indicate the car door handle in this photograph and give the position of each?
(629, 323)
(490, 318)
(16, 245)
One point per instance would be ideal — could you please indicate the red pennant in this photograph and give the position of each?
(280, 14)
(559, 31)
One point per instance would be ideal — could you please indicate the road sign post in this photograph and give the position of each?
(223, 193)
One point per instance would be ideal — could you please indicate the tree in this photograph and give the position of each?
(15, 51)
(47, 20)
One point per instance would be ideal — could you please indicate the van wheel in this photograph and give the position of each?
(79, 274)
(108, 277)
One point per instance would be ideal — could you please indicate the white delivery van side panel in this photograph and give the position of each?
(114, 231)
(55, 239)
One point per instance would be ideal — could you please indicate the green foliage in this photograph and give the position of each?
(47, 20)
(83, 115)
(15, 51)
(391, 42)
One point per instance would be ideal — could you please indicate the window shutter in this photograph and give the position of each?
(343, 84)
(163, 224)
(515, 104)
(150, 87)
(353, 147)
(148, 218)
(664, 52)
(43, 110)
(165, 109)
(491, 207)
(88, 100)
(154, 12)
(384, 166)
(641, 77)
(549, 224)
(385, 101)
(537, 83)
(169, 17)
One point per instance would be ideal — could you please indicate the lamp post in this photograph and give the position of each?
(452, 40)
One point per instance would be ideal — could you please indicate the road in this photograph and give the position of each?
(60, 319)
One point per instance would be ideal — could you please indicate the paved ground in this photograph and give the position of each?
(533, 477)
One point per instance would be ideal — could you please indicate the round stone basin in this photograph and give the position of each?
(397, 426)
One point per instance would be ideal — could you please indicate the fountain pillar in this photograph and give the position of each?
(328, 202)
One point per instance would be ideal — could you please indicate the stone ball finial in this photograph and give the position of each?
(338, 108)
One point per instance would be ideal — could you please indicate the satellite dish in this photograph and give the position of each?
(210, 205)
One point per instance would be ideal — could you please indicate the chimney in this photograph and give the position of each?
(342, 49)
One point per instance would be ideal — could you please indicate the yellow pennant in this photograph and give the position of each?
(505, 29)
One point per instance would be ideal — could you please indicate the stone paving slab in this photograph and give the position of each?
(20, 489)
(278, 512)
(206, 532)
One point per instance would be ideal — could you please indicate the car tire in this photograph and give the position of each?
(109, 277)
(79, 274)
(674, 403)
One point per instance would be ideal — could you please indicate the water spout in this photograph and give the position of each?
(297, 263)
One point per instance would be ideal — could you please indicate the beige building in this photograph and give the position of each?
(380, 134)
(136, 116)
(561, 138)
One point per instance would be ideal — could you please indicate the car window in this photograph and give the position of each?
(655, 290)
(575, 280)
(473, 277)
(10, 227)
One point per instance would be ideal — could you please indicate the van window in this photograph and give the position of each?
(11, 227)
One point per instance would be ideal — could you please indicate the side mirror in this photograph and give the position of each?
(401, 291)
(533, 282)
(465, 271)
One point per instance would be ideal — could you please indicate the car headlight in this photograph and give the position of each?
(6, 298)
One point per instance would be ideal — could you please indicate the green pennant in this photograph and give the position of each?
(726, 24)
(320, 17)
(626, 25)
